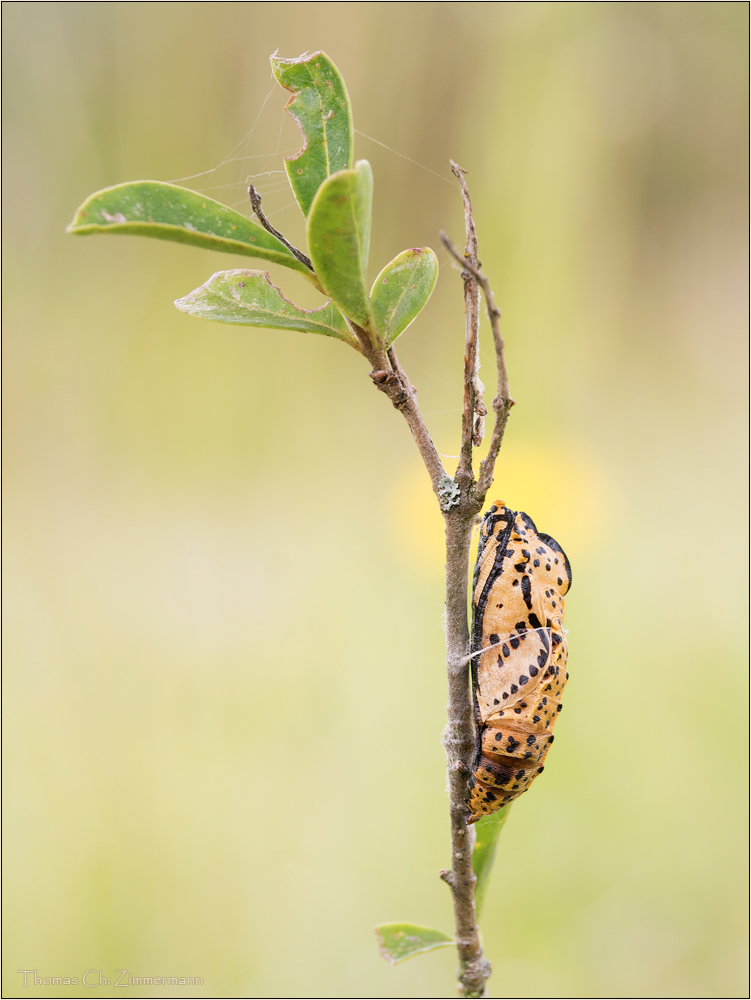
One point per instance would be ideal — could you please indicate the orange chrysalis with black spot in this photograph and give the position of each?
(519, 655)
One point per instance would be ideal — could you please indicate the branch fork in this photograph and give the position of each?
(460, 516)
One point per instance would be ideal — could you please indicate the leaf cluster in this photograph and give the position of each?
(334, 194)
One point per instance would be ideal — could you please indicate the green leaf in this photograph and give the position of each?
(320, 106)
(397, 942)
(168, 212)
(339, 239)
(487, 829)
(250, 299)
(401, 290)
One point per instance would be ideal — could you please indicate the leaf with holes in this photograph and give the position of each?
(397, 942)
(320, 106)
(339, 239)
(401, 290)
(169, 212)
(250, 299)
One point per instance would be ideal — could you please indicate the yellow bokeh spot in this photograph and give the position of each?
(564, 492)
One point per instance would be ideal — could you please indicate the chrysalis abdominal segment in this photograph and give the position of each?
(519, 655)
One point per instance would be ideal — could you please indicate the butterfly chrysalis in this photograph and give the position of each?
(519, 655)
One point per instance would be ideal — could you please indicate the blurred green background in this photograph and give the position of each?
(224, 667)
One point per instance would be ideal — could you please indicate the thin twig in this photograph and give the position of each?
(255, 201)
(416, 422)
(470, 433)
(503, 402)
(389, 376)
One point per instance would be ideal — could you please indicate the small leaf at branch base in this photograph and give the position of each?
(320, 106)
(169, 212)
(339, 239)
(487, 829)
(250, 299)
(401, 290)
(397, 942)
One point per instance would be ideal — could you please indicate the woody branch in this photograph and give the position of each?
(459, 735)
